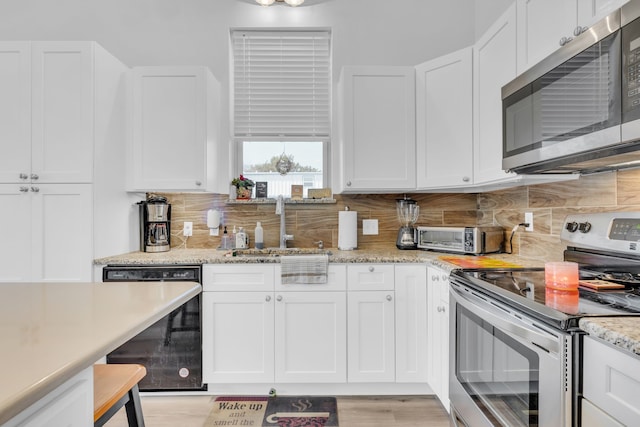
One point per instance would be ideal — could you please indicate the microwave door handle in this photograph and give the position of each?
(498, 320)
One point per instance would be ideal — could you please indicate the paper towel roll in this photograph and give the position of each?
(347, 230)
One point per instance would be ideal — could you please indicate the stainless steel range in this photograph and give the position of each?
(515, 345)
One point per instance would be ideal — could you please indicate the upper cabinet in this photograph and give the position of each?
(176, 142)
(47, 110)
(444, 119)
(545, 25)
(377, 140)
(494, 65)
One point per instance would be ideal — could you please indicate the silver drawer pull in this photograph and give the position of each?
(371, 269)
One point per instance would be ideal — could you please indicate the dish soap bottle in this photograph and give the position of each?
(241, 239)
(259, 236)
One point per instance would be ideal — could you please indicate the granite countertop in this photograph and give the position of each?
(390, 255)
(623, 332)
(52, 331)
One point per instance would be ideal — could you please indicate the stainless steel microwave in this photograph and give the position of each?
(464, 240)
(578, 110)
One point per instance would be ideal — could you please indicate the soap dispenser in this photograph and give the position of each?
(259, 236)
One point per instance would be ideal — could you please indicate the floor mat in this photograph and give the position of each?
(280, 411)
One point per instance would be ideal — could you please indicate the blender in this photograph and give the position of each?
(407, 210)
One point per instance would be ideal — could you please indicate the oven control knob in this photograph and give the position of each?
(571, 226)
(584, 227)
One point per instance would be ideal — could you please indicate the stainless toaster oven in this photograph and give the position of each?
(464, 240)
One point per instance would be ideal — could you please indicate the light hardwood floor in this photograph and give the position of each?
(357, 411)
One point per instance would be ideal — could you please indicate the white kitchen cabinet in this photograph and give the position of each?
(371, 323)
(48, 107)
(253, 334)
(48, 237)
(62, 106)
(310, 337)
(238, 337)
(438, 333)
(176, 137)
(494, 65)
(69, 405)
(444, 118)
(543, 25)
(411, 323)
(237, 323)
(377, 150)
(611, 382)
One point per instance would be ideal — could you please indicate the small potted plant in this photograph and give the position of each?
(244, 187)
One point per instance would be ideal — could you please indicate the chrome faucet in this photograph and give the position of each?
(283, 234)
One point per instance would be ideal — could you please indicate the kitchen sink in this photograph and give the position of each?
(275, 252)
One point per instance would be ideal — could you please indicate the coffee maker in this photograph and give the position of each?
(155, 224)
(407, 210)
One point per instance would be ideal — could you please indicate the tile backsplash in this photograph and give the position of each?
(309, 223)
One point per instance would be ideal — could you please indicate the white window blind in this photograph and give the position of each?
(281, 83)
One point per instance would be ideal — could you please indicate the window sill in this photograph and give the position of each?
(266, 201)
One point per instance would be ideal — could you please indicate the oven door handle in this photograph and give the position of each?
(480, 308)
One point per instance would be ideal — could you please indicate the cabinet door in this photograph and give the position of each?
(371, 336)
(62, 123)
(541, 25)
(237, 337)
(169, 128)
(444, 120)
(378, 141)
(61, 242)
(494, 65)
(15, 252)
(411, 323)
(591, 11)
(310, 337)
(438, 333)
(15, 111)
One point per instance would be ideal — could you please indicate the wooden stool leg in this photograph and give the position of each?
(134, 408)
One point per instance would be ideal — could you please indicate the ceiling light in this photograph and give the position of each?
(289, 2)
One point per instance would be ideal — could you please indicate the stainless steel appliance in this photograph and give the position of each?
(155, 224)
(171, 348)
(464, 240)
(407, 210)
(579, 109)
(515, 345)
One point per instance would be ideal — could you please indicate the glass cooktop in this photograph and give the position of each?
(526, 289)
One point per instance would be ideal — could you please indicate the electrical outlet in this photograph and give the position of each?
(187, 229)
(528, 218)
(369, 226)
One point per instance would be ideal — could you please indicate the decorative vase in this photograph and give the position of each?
(243, 192)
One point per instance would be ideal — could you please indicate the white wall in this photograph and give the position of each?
(486, 12)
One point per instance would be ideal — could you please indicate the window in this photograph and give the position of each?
(281, 106)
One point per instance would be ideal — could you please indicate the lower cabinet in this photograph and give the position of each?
(69, 405)
(253, 333)
(611, 385)
(368, 324)
(438, 333)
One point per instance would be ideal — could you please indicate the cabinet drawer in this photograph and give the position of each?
(370, 277)
(238, 277)
(612, 380)
(336, 280)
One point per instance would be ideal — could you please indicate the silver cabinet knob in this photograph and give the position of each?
(23, 176)
(440, 309)
(34, 176)
(198, 183)
(445, 278)
(348, 183)
(268, 298)
(371, 269)
(279, 298)
(389, 298)
(35, 189)
(565, 40)
(24, 189)
(466, 179)
(435, 278)
(579, 30)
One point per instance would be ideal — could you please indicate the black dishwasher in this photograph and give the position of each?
(171, 348)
